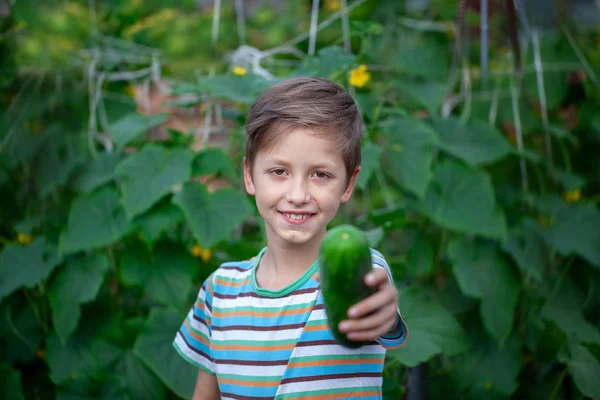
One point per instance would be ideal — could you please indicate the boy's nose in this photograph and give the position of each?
(298, 194)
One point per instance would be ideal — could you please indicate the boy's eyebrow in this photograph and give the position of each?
(322, 164)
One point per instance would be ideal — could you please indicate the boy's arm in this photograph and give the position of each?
(207, 387)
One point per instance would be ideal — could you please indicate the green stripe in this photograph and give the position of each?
(262, 309)
(230, 279)
(316, 322)
(197, 332)
(339, 357)
(251, 378)
(310, 393)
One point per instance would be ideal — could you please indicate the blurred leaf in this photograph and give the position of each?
(96, 219)
(370, 160)
(239, 89)
(96, 172)
(432, 329)
(416, 55)
(76, 356)
(585, 370)
(555, 88)
(10, 382)
(78, 282)
(419, 258)
(166, 275)
(154, 347)
(26, 265)
(153, 223)
(138, 381)
(20, 331)
(212, 217)
(577, 230)
(425, 93)
(568, 180)
(212, 161)
(488, 367)
(129, 127)
(150, 174)
(482, 273)
(327, 61)
(462, 199)
(565, 310)
(407, 156)
(561, 133)
(475, 143)
(527, 247)
(82, 389)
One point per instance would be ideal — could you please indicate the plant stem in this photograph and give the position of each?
(36, 312)
(557, 386)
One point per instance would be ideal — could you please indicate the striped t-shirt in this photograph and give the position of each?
(265, 344)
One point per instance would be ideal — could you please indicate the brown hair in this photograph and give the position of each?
(316, 103)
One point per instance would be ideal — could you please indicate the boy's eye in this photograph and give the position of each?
(321, 175)
(278, 172)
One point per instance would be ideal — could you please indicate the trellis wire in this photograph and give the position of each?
(535, 39)
(241, 21)
(586, 65)
(518, 132)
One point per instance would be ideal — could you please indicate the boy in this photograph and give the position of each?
(258, 329)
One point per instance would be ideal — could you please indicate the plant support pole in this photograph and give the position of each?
(535, 39)
(484, 43)
(314, 21)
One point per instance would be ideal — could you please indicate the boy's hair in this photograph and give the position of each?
(310, 102)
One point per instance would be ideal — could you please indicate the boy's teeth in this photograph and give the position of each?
(296, 217)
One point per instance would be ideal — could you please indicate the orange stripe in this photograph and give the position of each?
(195, 335)
(230, 283)
(312, 328)
(249, 313)
(247, 383)
(322, 363)
(200, 305)
(250, 347)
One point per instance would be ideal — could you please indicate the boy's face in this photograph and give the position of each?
(299, 185)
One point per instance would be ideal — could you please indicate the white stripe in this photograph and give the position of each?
(256, 335)
(260, 302)
(250, 370)
(295, 387)
(334, 349)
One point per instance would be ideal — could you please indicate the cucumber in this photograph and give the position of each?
(344, 260)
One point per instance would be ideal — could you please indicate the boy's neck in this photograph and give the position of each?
(280, 266)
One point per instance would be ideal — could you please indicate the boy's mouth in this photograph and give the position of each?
(296, 218)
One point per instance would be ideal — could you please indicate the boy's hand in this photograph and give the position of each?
(377, 314)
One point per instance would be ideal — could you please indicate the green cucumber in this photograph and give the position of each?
(344, 260)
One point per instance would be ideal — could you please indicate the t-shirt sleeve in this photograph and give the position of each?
(397, 337)
(192, 341)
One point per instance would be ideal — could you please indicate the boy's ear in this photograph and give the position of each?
(248, 178)
(350, 188)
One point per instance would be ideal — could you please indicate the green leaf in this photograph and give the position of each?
(419, 258)
(153, 223)
(150, 174)
(568, 180)
(10, 382)
(212, 161)
(78, 356)
(408, 155)
(419, 56)
(77, 283)
(26, 265)
(154, 347)
(95, 220)
(487, 368)
(565, 310)
(527, 247)
(139, 382)
(20, 332)
(577, 230)
(585, 370)
(129, 127)
(475, 143)
(462, 199)
(96, 172)
(370, 161)
(82, 388)
(212, 218)
(239, 89)
(166, 275)
(555, 88)
(432, 329)
(482, 273)
(326, 63)
(425, 93)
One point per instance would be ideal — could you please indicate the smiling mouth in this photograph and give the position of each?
(296, 217)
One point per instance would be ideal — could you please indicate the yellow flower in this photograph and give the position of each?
(333, 5)
(572, 196)
(359, 76)
(24, 238)
(241, 71)
(199, 252)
